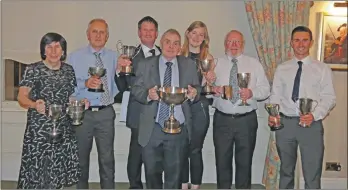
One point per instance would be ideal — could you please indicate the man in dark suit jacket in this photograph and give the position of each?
(164, 152)
(147, 32)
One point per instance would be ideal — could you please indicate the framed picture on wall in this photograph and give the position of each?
(333, 41)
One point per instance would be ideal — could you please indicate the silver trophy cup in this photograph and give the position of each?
(172, 96)
(54, 112)
(205, 66)
(97, 72)
(273, 110)
(130, 53)
(76, 111)
(243, 82)
(306, 107)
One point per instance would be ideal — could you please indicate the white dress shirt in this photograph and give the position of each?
(147, 52)
(315, 83)
(258, 84)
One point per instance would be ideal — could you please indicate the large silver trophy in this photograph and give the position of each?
(227, 92)
(273, 110)
(205, 66)
(306, 107)
(172, 96)
(130, 53)
(54, 112)
(97, 72)
(76, 111)
(243, 82)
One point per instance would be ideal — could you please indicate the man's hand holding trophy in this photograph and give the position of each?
(172, 96)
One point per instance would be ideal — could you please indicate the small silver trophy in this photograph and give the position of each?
(273, 110)
(130, 53)
(306, 107)
(97, 72)
(54, 112)
(76, 111)
(243, 82)
(205, 66)
(172, 96)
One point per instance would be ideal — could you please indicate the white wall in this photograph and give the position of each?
(25, 22)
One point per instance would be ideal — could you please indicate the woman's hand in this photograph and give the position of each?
(40, 106)
(86, 102)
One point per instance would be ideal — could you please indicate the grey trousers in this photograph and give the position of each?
(100, 125)
(311, 143)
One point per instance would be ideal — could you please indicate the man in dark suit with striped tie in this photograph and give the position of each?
(147, 32)
(163, 152)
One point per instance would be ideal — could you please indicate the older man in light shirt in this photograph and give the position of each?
(236, 125)
(301, 77)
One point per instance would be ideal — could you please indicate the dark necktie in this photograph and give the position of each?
(296, 88)
(164, 108)
(153, 52)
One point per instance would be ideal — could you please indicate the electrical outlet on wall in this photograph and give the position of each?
(333, 166)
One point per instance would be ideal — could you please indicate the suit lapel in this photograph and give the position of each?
(155, 68)
(181, 68)
(141, 52)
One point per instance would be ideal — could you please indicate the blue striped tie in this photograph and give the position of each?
(164, 108)
(105, 96)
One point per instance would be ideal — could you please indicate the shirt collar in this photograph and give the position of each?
(147, 49)
(164, 60)
(306, 60)
(230, 57)
(92, 50)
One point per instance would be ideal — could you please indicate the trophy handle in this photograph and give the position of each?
(316, 104)
(278, 107)
(216, 60)
(119, 45)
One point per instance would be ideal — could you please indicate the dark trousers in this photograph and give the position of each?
(311, 143)
(164, 153)
(238, 132)
(100, 125)
(134, 161)
(193, 159)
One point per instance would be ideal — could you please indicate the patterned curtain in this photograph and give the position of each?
(271, 23)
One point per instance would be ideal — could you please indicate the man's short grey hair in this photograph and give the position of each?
(98, 20)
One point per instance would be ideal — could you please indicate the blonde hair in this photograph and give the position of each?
(204, 47)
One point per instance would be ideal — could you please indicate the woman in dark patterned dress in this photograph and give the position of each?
(196, 46)
(47, 164)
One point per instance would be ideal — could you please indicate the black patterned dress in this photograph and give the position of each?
(47, 165)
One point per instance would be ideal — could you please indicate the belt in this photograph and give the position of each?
(235, 115)
(97, 108)
(288, 117)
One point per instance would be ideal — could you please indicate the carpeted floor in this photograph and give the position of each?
(13, 185)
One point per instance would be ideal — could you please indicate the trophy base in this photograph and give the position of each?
(207, 93)
(76, 123)
(95, 90)
(276, 128)
(244, 104)
(55, 137)
(171, 130)
(172, 127)
(126, 74)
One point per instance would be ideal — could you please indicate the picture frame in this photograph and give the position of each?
(332, 41)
